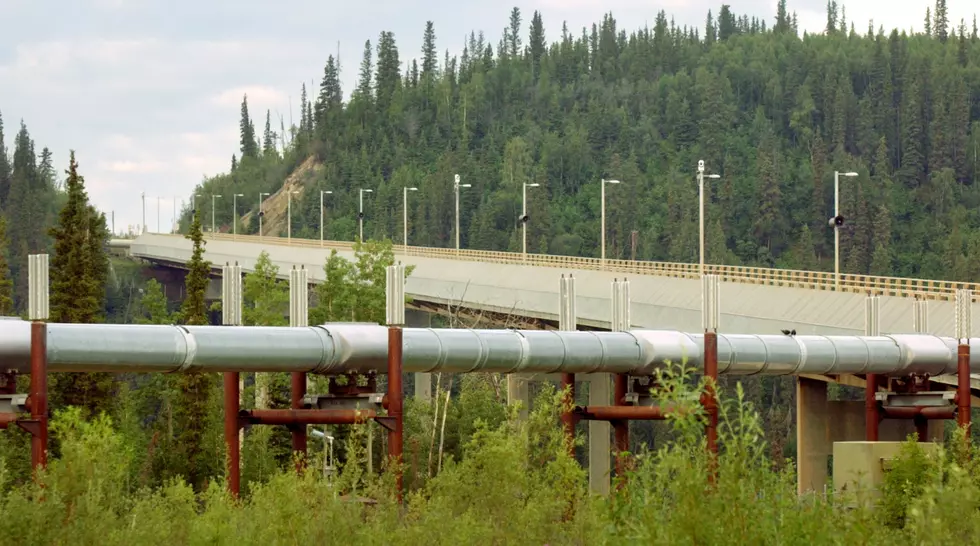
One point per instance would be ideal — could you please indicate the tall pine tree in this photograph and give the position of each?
(195, 462)
(79, 269)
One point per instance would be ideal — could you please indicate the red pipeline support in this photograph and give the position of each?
(38, 397)
(568, 414)
(231, 393)
(621, 428)
(871, 412)
(616, 414)
(918, 412)
(297, 393)
(6, 419)
(290, 417)
(395, 403)
(711, 400)
(963, 387)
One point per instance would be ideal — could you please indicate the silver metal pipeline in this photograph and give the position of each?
(341, 348)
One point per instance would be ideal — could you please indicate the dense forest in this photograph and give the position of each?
(772, 111)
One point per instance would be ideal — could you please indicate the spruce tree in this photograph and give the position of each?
(194, 462)
(5, 169)
(78, 278)
(246, 129)
(6, 283)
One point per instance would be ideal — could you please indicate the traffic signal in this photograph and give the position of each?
(523, 219)
(836, 221)
(360, 215)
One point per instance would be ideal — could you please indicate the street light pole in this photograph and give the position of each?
(456, 187)
(524, 218)
(260, 211)
(143, 198)
(603, 215)
(360, 213)
(158, 215)
(701, 176)
(289, 215)
(405, 191)
(837, 221)
(213, 197)
(234, 218)
(173, 219)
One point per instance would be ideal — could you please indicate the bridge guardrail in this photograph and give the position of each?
(811, 280)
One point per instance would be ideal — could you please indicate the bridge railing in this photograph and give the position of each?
(812, 280)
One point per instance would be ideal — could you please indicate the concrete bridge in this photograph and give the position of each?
(664, 295)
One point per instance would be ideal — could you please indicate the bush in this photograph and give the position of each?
(513, 482)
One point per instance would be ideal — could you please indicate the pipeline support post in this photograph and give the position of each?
(38, 397)
(231, 407)
(299, 310)
(711, 317)
(395, 403)
(964, 329)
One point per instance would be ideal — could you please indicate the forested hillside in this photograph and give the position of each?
(772, 110)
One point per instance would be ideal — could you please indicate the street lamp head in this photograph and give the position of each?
(215, 196)
(239, 195)
(534, 185)
(851, 173)
(294, 191)
(365, 190)
(713, 176)
(610, 181)
(412, 189)
(466, 185)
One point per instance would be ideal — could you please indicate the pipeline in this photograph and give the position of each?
(362, 348)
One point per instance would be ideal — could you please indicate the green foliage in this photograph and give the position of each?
(194, 308)
(193, 415)
(644, 106)
(355, 291)
(153, 305)
(79, 272)
(265, 297)
(6, 283)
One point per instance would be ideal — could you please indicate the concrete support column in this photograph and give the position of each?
(813, 446)
(423, 380)
(600, 447)
(517, 392)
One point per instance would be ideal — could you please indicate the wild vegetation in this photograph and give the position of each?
(514, 483)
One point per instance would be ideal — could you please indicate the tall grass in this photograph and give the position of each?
(513, 484)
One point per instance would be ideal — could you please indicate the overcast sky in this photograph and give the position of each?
(147, 92)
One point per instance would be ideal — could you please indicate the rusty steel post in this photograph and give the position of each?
(231, 393)
(871, 415)
(395, 402)
(297, 392)
(921, 428)
(567, 414)
(963, 387)
(711, 400)
(291, 418)
(623, 413)
(39, 394)
(621, 429)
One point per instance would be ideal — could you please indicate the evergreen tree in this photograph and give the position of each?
(249, 148)
(153, 305)
(940, 24)
(195, 388)
(79, 270)
(6, 283)
(268, 137)
(5, 169)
